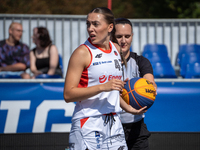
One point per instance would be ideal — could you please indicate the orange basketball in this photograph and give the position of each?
(139, 92)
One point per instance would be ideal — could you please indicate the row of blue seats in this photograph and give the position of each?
(157, 54)
(188, 59)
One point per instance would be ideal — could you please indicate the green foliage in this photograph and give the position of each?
(120, 8)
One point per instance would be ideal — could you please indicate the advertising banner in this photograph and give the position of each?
(34, 108)
(176, 108)
(40, 107)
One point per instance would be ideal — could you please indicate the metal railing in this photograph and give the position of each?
(171, 32)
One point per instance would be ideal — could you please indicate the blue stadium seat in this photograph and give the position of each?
(163, 70)
(10, 76)
(155, 57)
(189, 58)
(186, 49)
(61, 63)
(43, 76)
(161, 49)
(157, 54)
(193, 70)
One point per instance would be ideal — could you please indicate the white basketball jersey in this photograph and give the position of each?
(104, 66)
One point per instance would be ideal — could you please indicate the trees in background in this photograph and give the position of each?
(120, 8)
(166, 8)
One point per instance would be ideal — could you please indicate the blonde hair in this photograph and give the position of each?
(13, 24)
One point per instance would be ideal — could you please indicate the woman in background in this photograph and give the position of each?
(136, 132)
(44, 58)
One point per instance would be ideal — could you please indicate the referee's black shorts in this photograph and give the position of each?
(136, 135)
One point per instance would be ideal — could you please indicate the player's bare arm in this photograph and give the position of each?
(14, 67)
(130, 109)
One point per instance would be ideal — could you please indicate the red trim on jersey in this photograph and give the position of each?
(105, 51)
(84, 76)
(82, 121)
(84, 79)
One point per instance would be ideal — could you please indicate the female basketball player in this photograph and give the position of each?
(93, 81)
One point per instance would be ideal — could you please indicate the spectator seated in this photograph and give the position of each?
(52, 76)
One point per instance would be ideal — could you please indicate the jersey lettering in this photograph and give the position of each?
(117, 65)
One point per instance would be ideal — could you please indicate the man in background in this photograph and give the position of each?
(14, 55)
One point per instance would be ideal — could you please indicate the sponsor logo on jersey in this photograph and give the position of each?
(115, 53)
(110, 77)
(103, 78)
(121, 147)
(98, 55)
(102, 62)
(95, 63)
(97, 134)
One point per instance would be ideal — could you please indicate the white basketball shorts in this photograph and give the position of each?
(104, 132)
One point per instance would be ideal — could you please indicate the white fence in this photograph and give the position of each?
(69, 31)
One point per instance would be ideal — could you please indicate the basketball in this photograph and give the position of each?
(139, 92)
